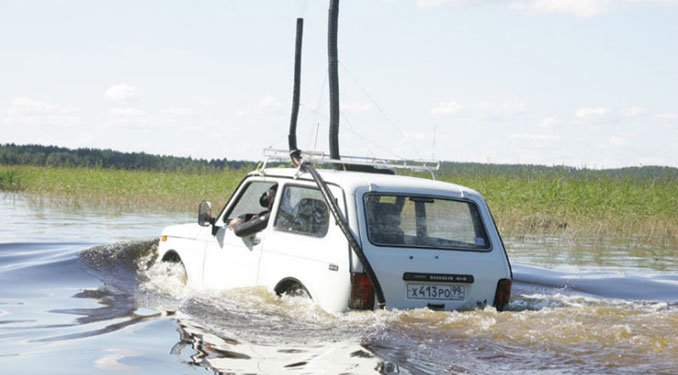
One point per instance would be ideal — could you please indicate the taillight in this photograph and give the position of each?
(362, 292)
(503, 294)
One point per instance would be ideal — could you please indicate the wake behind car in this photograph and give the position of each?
(421, 242)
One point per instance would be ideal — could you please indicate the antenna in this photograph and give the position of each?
(433, 147)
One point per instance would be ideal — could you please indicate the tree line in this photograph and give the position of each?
(528, 171)
(53, 156)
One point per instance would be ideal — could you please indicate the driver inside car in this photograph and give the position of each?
(248, 224)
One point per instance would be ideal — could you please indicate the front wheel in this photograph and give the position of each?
(176, 266)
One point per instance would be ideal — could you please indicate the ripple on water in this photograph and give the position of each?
(105, 310)
(553, 331)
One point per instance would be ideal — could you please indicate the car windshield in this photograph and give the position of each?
(420, 221)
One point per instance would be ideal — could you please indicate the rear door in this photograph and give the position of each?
(430, 250)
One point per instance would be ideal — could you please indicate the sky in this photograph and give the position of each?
(583, 83)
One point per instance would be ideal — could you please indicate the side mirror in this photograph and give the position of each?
(205, 214)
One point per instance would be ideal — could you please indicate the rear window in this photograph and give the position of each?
(420, 221)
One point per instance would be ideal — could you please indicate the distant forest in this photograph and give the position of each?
(37, 155)
(533, 170)
(53, 156)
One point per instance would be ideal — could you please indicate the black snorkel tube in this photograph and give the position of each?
(295, 153)
(304, 165)
(333, 78)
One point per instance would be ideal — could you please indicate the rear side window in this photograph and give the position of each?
(302, 210)
(419, 221)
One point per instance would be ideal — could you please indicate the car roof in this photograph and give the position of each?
(351, 181)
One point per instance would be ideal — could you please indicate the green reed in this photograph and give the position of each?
(123, 190)
(523, 201)
(581, 203)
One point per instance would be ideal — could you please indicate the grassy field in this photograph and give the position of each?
(120, 190)
(589, 203)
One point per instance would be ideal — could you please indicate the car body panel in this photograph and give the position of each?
(323, 265)
(187, 240)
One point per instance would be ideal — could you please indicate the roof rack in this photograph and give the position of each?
(283, 156)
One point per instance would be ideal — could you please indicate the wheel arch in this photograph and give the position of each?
(290, 284)
(172, 256)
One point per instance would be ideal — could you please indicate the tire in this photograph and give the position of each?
(293, 288)
(172, 257)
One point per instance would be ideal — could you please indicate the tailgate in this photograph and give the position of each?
(441, 279)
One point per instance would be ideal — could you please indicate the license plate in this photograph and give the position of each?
(433, 291)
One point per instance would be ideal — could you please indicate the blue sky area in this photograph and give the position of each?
(589, 83)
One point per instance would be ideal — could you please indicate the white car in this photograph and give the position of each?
(428, 243)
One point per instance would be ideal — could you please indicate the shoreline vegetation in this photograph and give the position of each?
(640, 204)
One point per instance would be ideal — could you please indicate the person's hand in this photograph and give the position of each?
(233, 222)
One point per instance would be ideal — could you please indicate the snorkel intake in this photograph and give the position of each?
(295, 153)
(305, 165)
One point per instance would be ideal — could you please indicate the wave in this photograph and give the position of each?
(528, 279)
(556, 320)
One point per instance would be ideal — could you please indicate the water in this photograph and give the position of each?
(77, 297)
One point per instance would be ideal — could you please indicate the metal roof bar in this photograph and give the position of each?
(320, 157)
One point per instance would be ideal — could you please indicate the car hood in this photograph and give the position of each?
(190, 230)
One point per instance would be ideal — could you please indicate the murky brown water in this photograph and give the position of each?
(76, 297)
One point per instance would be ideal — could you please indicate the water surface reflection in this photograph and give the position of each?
(578, 306)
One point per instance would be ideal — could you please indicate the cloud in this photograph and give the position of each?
(268, 106)
(354, 107)
(127, 117)
(177, 111)
(537, 138)
(578, 8)
(83, 139)
(433, 3)
(417, 136)
(497, 111)
(120, 92)
(659, 2)
(269, 102)
(27, 111)
(302, 7)
(127, 112)
(549, 122)
(589, 113)
(633, 111)
(668, 118)
(172, 117)
(509, 108)
(616, 141)
(482, 110)
(446, 108)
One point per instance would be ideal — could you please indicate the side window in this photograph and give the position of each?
(302, 210)
(248, 202)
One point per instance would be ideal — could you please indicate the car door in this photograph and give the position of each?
(232, 261)
(306, 246)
